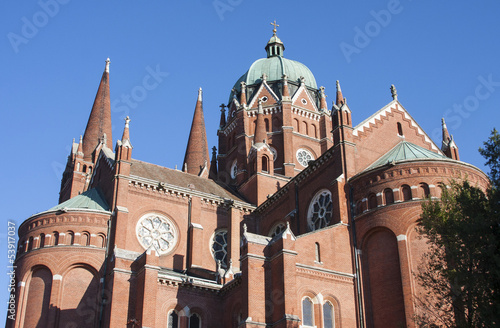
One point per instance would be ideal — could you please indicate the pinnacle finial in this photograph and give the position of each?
(214, 151)
(222, 108)
(200, 94)
(394, 92)
(338, 86)
(127, 121)
(264, 77)
(107, 65)
(275, 25)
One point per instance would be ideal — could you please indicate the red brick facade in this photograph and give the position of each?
(303, 225)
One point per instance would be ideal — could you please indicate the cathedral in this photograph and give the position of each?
(298, 218)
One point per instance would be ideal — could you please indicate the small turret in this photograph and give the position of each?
(340, 99)
(322, 105)
(222, 122)
(260, 129)
(449, 147)
(243, 97)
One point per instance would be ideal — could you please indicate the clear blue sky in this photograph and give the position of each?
(442, 56)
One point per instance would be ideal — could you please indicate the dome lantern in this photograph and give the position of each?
(275, 46)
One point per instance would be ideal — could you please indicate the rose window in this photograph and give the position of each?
(156, 232)
(304, 156)
(219, 247)
(320, 210)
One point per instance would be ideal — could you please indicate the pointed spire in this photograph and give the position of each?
(222, 116)
(323, 105)
(99, 122)
(340, 99)
(260, 128)
(126, 134)
(446, 135)
(197, 147)
(79, 151)
(394, 92)
(243, 98)
(449, 147)
(286, 91)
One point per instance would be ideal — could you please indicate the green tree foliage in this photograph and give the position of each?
(460, 273)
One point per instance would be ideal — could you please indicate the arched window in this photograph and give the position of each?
(101, 241)
(173, 320)
(265, 164)
(304, 128)
(30, 243)
(194, 321)
(84, 169)
(279, 228)
(56, 238)
(328, 315)
(42, 240)
(266, 120)
(372, 201)
(406, 190)
(307, 312)
(254, 126)
(400, 129)
(314, 132)
(71, 238)
(318, 253)
(320, 210)
(424, 190)
(276, 124)
(296, 125)
(85, 239)
(389, 196)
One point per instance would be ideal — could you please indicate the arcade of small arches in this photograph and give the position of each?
(390, 196)
(68, 238)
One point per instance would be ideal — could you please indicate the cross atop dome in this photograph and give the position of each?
(275, 25)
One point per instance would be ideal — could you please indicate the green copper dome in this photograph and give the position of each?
(275, 66)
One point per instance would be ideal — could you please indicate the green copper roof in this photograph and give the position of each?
(275, 67)
(406, 151)
(91, 199)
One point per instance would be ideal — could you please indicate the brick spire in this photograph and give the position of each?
(449, 147)
(260, 128)
(243, 98)
(99, 123)
(323, 105)
(340, 99)
(197, 156)
(446, 135)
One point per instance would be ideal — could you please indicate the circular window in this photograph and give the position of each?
(219, 247)
(157, 232)
(234, 170)
(320, 210)
(304, 102)
(304, 156)
(264, 99)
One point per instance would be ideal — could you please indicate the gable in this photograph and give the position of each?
(302, 99)
(383, 130)
(263, 91)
